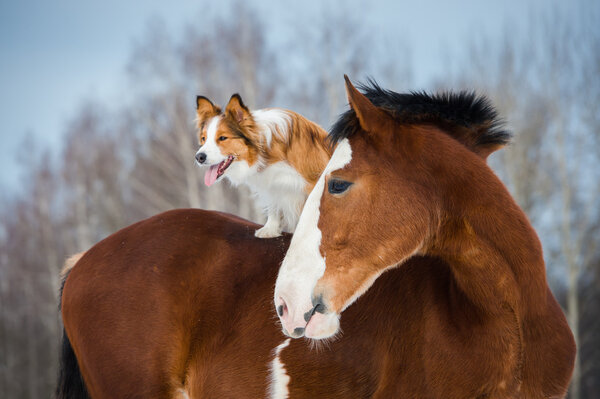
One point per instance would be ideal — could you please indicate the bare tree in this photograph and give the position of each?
(337, 42)
(118, 166)
(28, 271)
(93, 179)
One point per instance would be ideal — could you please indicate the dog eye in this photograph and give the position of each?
(222, 138)
(337, 186)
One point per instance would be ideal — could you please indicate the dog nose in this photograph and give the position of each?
(201, 157)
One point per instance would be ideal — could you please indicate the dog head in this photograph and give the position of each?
(225, 137)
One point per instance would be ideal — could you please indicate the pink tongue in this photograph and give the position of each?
(211, 175)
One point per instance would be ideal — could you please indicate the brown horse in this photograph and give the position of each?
(404, 183)
(181, 304)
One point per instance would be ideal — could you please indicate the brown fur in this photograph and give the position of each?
(303, 146)
(442, 200)
(184, 299)
(205, 109)
(306, 149)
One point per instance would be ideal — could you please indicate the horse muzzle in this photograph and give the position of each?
(310, 321)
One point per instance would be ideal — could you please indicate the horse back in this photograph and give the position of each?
(182, 302)
(156, 294)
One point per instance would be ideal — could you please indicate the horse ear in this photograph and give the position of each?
(369, 116)
(485, 152)
(236, 109)
(205, 108)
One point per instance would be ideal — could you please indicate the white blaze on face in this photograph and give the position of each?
(303, 264)
(210, 147)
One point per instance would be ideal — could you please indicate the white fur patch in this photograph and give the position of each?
(279, 380)
(278, 189)
(210, 147)
(303, 264)
(272, 120)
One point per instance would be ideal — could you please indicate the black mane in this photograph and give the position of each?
(469, 118)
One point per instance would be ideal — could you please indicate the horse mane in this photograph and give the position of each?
(467, 117)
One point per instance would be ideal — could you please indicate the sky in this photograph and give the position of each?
(56, 54)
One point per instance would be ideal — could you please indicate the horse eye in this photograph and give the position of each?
(222, 138)
(338, 186)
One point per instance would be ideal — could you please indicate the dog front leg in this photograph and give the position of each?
(272, 227)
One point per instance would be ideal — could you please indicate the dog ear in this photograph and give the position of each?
(205, 108)
(236, 109)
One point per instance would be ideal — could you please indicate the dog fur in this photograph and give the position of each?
(277, 153)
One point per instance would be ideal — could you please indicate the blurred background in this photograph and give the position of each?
(99, 100)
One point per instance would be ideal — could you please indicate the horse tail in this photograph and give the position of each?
(69, 263)
(70, 382)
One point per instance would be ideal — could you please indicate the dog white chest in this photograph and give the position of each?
(280, 187)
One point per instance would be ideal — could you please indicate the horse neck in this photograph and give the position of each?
(493, 252)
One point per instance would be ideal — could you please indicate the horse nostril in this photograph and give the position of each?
(201, 157)
(281, 307)
(319, 307)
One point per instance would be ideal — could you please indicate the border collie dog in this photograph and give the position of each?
(277, 153)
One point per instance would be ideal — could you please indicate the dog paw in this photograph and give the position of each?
(267, 232)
